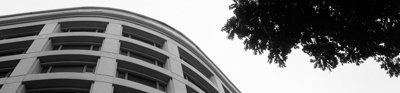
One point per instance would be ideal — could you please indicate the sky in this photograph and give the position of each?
(201, 21)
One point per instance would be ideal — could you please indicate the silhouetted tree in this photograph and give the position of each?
(332, 32)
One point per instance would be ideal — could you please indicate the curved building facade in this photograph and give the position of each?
(101, 50)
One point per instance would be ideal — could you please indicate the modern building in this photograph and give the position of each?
(101, 50)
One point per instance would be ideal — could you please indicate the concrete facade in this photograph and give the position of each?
(101, 50)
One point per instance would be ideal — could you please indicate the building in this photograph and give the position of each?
(101, 50)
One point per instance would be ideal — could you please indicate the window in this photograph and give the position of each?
(68, 68)
(143, 53)
(15, 51)
(76, 43)
(142, 39)
(143, 36)
(58, 86)
(68, 63)
(76, 46)
(83, 26)
(83, 29)
(6, 67)
(226, 90)
(190, 90)
(5, 72)
(192, 61)
(60, 91)
(192, 80)
(141, 56)
(197, 80)
(25, 34)
(124, 89)
(20, 32)
(140, 78)
(187, 61)
(14, 48)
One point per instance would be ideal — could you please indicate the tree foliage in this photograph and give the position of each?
(332, 32)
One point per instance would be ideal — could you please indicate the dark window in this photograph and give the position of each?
(226, 90)
(124, 89)
(121, 74)
(142, 80)
(141, 56)
(83, 26)
(162, 87)
(6, 67)
(72, 46)
(12, 52)
(136, 77)
(192, 61)
(14, 48)
(187, 61)
(5, 72)
(20, 32)
(57, 86)
(60, 91)
(89, 68)
(45, 69)
(68, 63)
(142, 39)
(76, 43)
(124, 52)
(192, 80)
(98, 30)
(95, 47)
(126, 34)
(19, 35)
(190, 90)
(68, 68)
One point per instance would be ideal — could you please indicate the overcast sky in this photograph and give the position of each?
(201, 21)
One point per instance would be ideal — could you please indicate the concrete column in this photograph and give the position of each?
(106, 66)
(174, 66)
(175, 86)
(115, 29)
(38, 45)
(23, 67)
(101, 87)
(218, 83)
(48, 28)
(21, 89)
(171, 48)
(110, 45)
(12, 88)
(172, 63)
